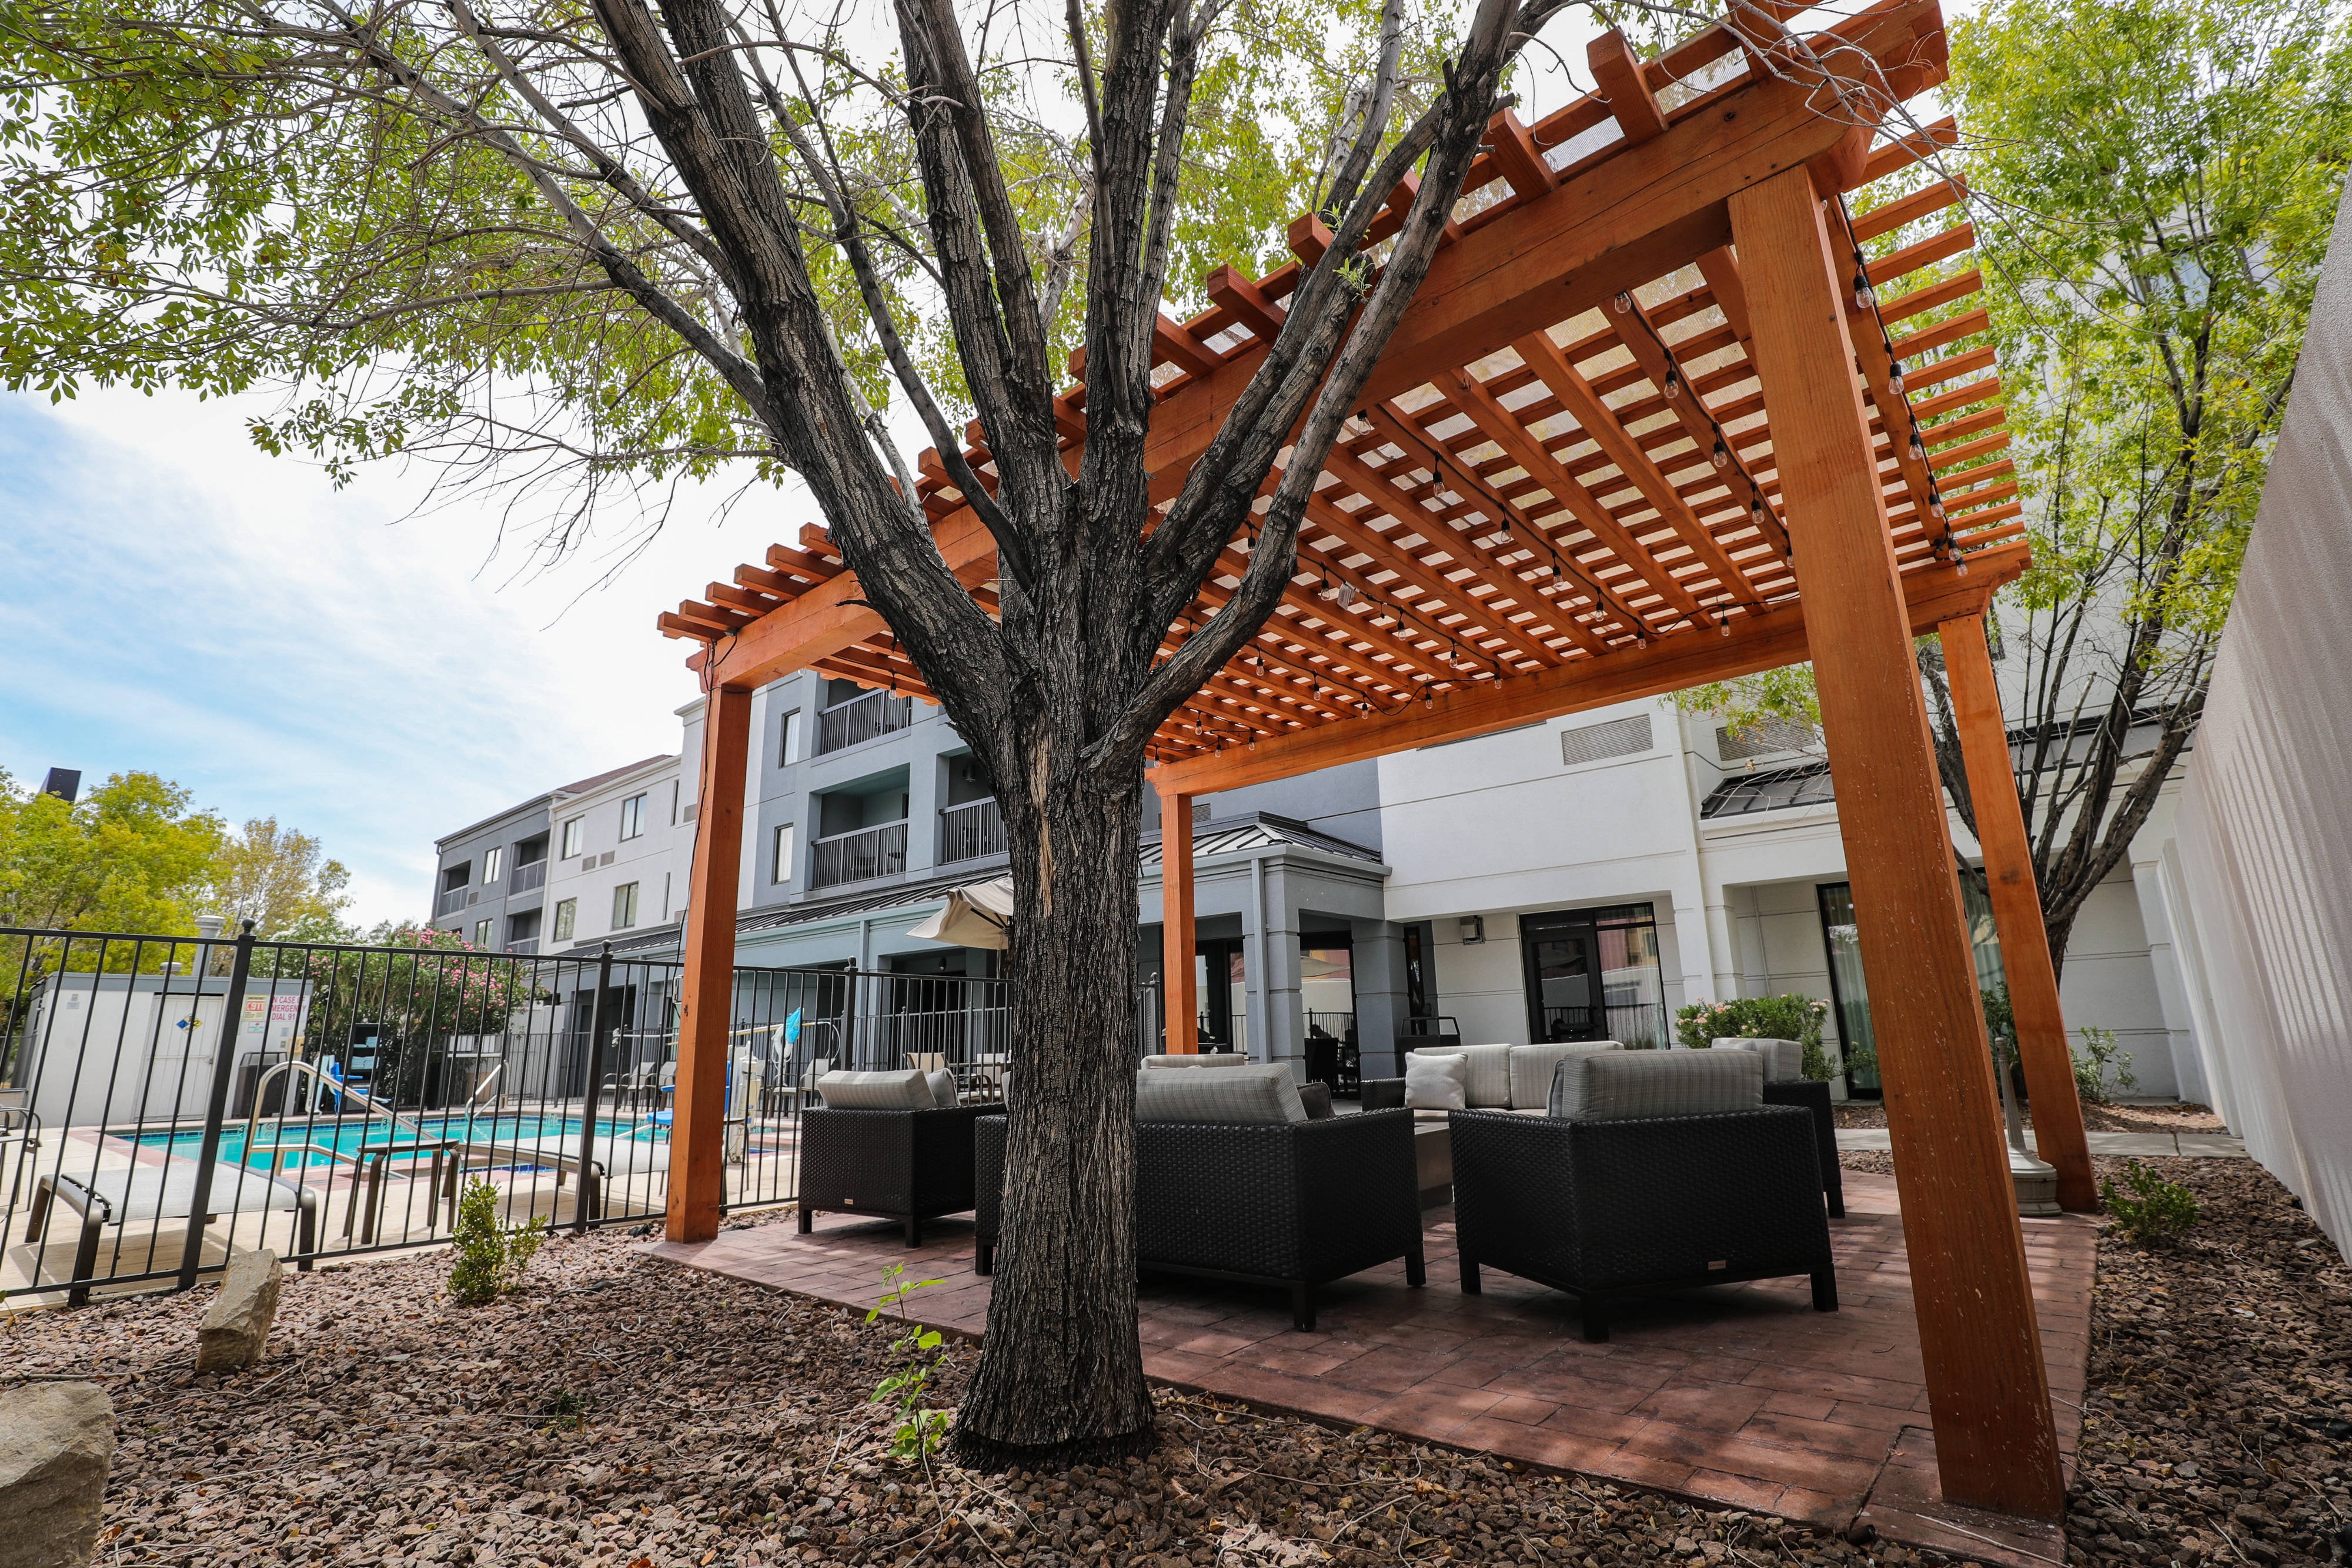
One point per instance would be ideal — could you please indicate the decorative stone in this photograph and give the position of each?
(237, 1326)
(57, 1444)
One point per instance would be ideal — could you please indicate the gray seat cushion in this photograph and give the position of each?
(1784, 1059)
(1263, 1092)
(166, 1192)
(904, 1090)
(1623, 1085)
(1199, 1058)
(1532, 1065)
(1489, 1087)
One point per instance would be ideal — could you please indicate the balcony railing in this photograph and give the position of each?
(861, 718)
(970, 830)
(526, 877)
(523, 945)
(860, 856)
(451, 901)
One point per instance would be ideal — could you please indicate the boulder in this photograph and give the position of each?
(57, 1443)
(237, 1326)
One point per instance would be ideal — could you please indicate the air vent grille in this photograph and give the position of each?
(1599, 742)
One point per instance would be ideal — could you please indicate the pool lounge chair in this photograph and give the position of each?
(162, 1193)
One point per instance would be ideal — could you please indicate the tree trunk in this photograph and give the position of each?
(1065, 1287)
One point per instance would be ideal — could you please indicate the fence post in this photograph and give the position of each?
(583, 1187)
(216, 1103)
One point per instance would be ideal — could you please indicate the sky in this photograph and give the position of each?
(174, 601)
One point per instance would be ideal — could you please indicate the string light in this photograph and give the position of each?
(1756, 507)
(1864, 297)
(1624, 302)
(1895, 377)
(1919, 448)
(1722, 453)
(1674, 387)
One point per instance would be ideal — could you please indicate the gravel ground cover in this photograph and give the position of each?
(2217, 1428)
(624, 1413)
(2125, 1118)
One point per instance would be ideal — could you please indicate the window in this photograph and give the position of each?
(456, 877)
(493, 862)
(633, 817)
(567, 913)
(788, 748)
(783, 872)
(625, 906)
(675, 785)
(1593, 974)
(571, 836)
(481, 933)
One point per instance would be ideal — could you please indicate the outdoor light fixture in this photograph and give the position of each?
(1674, 387)
(1895, 378)
(1722, 452)
(1919, 448)
(1624, 302)
(1474, 930)
(1863, 298)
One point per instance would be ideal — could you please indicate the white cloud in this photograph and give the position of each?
(172, 600)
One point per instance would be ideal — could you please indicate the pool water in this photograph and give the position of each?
(357, 1136)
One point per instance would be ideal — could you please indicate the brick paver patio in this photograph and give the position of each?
(1736, 1394)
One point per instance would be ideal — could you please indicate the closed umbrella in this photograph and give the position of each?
(980, 916)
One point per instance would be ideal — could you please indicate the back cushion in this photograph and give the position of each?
(1489, 1085)
(1531, 1069)
(1200, 1059)
(1262, 1093)
(1436, 1081)
(943, 1089)
(1620, 1085)
(1784, 1059)
(1316, 1098)
(902, 1091)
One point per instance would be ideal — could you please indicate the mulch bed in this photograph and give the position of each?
(628, 1413)
(2217, 1428)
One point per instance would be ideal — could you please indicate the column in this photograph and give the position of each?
(2017, 914)
(706, 1009)
(1378, 964)
(1179, 989)
(1988, 1389)
(1282, 1023)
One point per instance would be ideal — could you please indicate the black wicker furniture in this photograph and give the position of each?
(909, 1164)
(1603, 1201)
(1295, 1203)
(1785, 1083)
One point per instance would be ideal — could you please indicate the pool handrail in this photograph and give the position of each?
(341, 1088)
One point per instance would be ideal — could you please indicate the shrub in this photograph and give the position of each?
(490, 1257)
(2154, 1210)
(2095, 1062)
(1785, 1016)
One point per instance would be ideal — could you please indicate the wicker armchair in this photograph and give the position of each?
(909, 1165)
(1626, 1206)
(1296, 1204)
(1812, 1096)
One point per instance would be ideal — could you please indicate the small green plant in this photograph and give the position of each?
(2095, 1068)
(919, 1430)
(490, 1257)
(1785, 1017)
(2154, 1210)
(568, 1408)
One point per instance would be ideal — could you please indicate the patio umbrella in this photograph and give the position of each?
(980, 916)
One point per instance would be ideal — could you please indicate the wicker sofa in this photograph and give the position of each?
(1291, 1201)
(1785, 1083)
(879, 1147)
(1649, 1171)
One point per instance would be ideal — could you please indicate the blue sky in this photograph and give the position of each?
(174, 601)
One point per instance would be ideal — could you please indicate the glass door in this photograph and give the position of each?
(1592, 974)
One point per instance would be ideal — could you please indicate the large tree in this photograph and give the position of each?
(616, 243)
(2154, 182)
(277, 878)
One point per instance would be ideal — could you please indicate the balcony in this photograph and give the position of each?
(526, 877)
(525, 945)
(970, 830)
(452, 900)
(860, 856)
(861, 718)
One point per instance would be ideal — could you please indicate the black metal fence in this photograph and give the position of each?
(164, 1099)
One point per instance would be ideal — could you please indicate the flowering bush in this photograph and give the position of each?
(1785, 1016)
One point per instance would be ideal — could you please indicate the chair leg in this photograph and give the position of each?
(1416, 1269)
(1470, 1285)
(84, 1264)
(983, 1258)
(914, 1230)
(36, 1219)
(1302, 1307)
(1825, 1290)
(1596, 1320)
(808, 1215)
(1835, 1191)
(305, 1229)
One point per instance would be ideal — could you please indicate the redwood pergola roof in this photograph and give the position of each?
(1563, 476)
(1568, 487)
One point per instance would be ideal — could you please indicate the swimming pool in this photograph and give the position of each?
(355, 1136)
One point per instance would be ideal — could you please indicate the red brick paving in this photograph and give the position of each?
(1736, 1394)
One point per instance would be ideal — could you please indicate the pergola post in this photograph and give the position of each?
(697, 1171)
(1179, 994)
(2017, 914)
(1988, 1390)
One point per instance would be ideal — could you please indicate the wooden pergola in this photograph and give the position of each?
(1654, 419)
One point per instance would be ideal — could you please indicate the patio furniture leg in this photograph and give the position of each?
(807, 1218)
(1302, 1307)
(914, 1230)
(983, 1258)
(1825, 1290)
(375, 1202)
(1596, 1320)
(1470, 1283)
(305, 1229)
(85, 1263)
(36, 1217)
(1835, 1190)
(592, 1196)
(1416, 1269)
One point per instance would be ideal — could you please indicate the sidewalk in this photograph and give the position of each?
(2145, 1145)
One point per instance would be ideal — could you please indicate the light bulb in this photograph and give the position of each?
(1726, 625)
(1895, 379)
(1674, 387)
(1722, 455)
(1918, 451)
(1864, 300)
(1624, 302)
(1960, 568)
(1756, 510)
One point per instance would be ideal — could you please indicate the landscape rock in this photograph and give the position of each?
(236, 1327)
(57, 1444)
